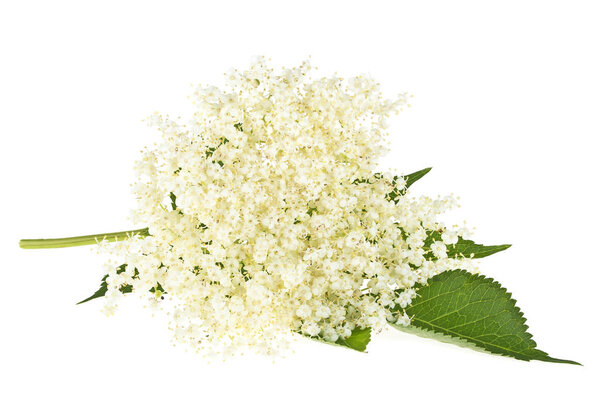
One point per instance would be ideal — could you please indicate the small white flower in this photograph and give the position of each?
(449, 237)
(311, 328)
(438, 249)
(304, 311)
(403, 320)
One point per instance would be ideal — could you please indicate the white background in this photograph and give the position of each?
(506, 106)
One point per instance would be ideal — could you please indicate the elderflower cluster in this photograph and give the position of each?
(267, 217)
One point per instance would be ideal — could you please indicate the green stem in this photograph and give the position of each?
(82, 240)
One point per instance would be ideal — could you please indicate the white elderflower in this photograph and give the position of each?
(406, 297)
(266, 215)
(303, 311)
(403, 320)
(450, 237)
(438, 249)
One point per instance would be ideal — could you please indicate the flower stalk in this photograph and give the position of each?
(81, 240)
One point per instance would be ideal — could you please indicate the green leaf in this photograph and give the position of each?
(424, 333)
(395, 193)
(413, 177)
(463, 248)
(104, 286)
(409, 179)
(358, 339)
(475, 311)
(470, 249)
(99, 293)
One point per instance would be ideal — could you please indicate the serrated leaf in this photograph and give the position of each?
(463, 248)
(99, 293)
(471, 309)
(104, 286)
(358, 339)
(424, 333)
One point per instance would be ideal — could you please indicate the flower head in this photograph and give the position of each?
(267, 216)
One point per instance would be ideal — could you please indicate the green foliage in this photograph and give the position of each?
(468, 248)
(98, 293)
(358, 340)
(463, 248)
(104, 286)
(475, 311)
(409, 179)
(158, 289)
(415, 176)
(395, 193)
(211, 150)
(173, 199)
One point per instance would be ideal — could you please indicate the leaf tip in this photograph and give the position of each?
(561, 361)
